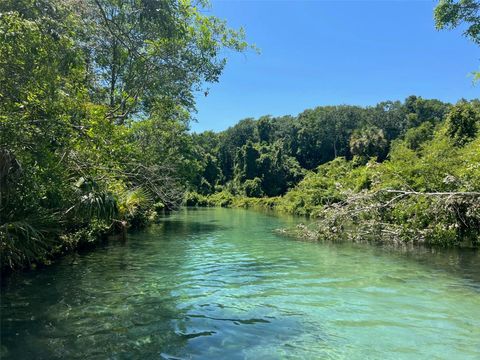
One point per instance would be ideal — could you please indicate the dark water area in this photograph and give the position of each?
(221, 284)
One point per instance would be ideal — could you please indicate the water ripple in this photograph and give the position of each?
(217, 283)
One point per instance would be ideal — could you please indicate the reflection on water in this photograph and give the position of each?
(219, 284)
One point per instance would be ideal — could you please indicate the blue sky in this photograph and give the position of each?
(327, 53)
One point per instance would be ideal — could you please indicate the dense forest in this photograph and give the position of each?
(268, 156)
(397, 172)
(96, 100)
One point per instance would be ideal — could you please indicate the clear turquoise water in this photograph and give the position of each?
(219, 284)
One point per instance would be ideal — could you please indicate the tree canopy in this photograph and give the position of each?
(95, 102)
(276, 151)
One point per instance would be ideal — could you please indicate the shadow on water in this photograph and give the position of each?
(462, 262)
(124, 300)
(69, 315)
(117, 301)
(189, 228)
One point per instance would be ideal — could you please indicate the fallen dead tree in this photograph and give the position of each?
(398, 217)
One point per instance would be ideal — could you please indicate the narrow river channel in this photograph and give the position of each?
(220, 284)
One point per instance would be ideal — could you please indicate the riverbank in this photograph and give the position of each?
(425, 194)
(340, 223)
(47, 247)
(410, 174)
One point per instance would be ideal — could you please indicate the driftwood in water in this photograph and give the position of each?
(395, 216)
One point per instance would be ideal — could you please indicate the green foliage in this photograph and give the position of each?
(265, 169)
(265, 128)
(131, 202)
(450, 14)
(28, 240)
(253, 187)
(223, 199)
(93, 202)
(323, 133)
(246, 166)
(368, 142)
(410, 171)
(463, 121)
(428, 194)
(230, 141)
(95, 101)
(277, 150)
(421, 110)
(416, 136)
(227, 199)
(323, 187)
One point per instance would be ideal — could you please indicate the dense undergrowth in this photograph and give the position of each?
(426, 191)
(95, 102)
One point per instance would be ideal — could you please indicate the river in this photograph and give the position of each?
(220, 284)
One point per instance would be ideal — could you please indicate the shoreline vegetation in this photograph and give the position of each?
(96, 97)
(96, 101)
(425, 191)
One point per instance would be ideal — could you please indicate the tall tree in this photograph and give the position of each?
(154, 53)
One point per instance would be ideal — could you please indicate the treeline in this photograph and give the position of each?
(427, 190)
(268, 156)
(415, 180)
(397, 172)
(95, 104)
(95, 97)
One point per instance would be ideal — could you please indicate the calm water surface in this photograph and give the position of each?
(219, 284)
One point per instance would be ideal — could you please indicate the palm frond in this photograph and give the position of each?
(30, 239)
(133, 200)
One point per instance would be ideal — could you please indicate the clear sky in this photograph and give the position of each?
(327, 53)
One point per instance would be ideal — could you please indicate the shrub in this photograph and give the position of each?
(253, 188)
